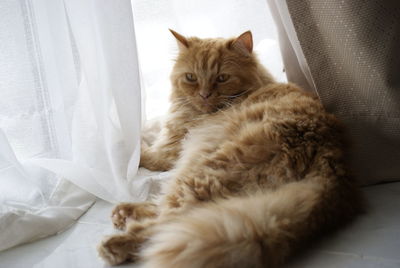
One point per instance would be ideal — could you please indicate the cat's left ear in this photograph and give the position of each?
(244, 43)
(182, 41)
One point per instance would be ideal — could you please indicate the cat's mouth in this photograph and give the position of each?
(206, 106)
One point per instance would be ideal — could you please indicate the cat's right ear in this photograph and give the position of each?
(182, 41)
(244, 43)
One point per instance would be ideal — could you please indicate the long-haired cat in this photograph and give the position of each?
(258, 168)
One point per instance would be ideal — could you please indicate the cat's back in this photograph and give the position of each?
(274, 103)
(281, 112)
(285, 98)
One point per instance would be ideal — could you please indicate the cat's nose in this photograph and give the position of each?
(205, 95)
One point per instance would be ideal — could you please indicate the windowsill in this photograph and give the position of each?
(76, 247)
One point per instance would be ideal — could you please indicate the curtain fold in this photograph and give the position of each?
(106, 116)
(295, 63)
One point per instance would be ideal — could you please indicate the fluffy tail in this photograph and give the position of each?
(255, 231)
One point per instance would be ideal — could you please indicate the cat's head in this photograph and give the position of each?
(211, 74)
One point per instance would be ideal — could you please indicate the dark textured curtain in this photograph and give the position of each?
(351, 50)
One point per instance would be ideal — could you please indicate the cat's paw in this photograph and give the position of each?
(125, 212)
(121, 214)
(117, 249)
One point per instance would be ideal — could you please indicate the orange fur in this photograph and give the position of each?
(258, 167)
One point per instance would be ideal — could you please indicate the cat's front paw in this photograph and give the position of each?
(117, 249)
(121, 214)
(125, 212)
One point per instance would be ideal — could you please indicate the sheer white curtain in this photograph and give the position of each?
(70, 110)
(297, 69)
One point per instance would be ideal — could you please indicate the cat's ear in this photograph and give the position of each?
(182, 41)
(244, 43)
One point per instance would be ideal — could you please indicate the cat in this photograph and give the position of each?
(258, 168)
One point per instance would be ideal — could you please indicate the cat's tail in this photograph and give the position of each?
(255, 231)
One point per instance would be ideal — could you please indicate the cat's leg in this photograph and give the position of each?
(139, 221)
(162, 155)
(120, 248)
(159, 158)
(197, 182)
(126, 212)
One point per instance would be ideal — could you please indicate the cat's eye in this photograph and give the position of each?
(222, 78)
(191, 77)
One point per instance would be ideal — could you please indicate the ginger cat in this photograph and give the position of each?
(258, 168)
